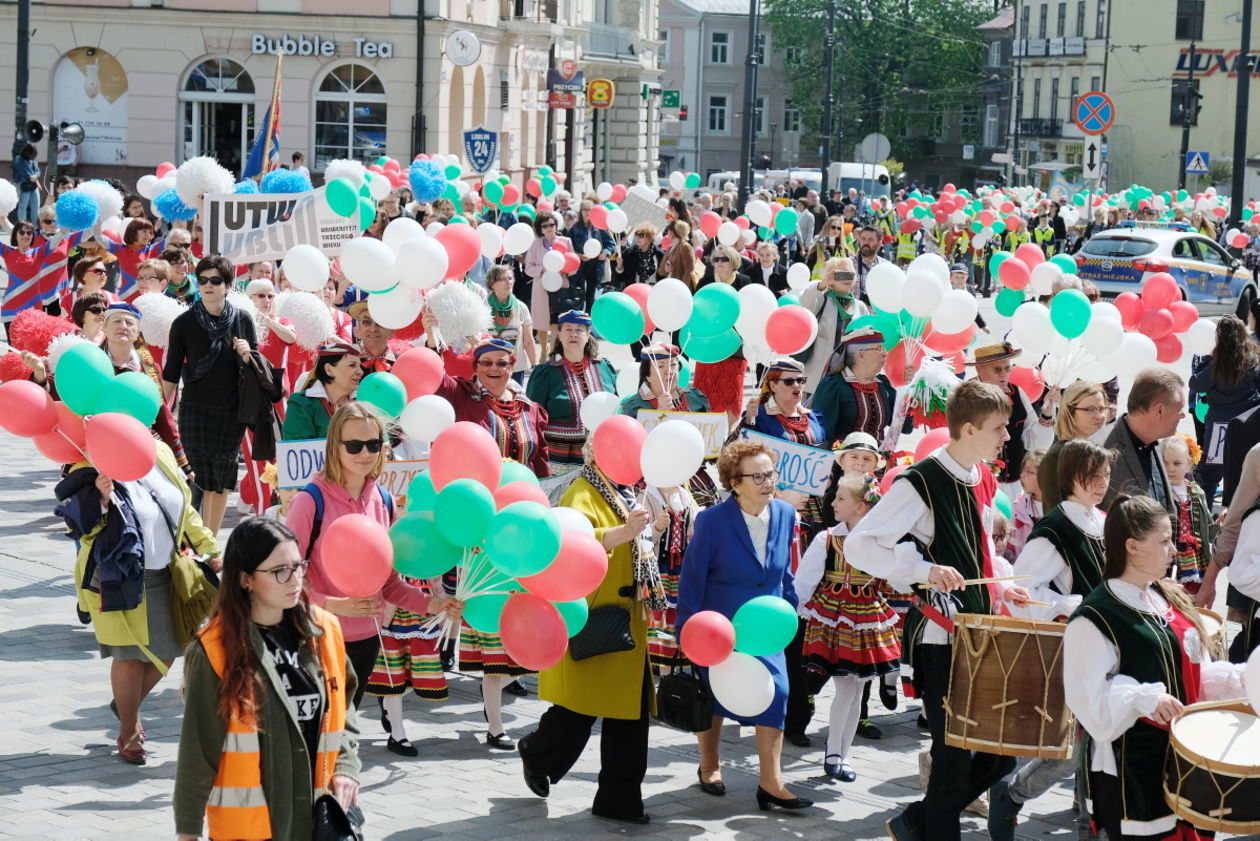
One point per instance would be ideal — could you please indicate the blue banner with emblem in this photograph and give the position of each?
(481, 146)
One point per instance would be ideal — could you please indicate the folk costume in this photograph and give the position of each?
(1025, 428)
(671, 546)
(409, 657)
(1194, 548)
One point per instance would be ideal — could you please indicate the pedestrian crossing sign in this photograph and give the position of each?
(1197, 163)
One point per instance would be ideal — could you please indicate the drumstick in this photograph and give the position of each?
(994, 580)
(1039, 604)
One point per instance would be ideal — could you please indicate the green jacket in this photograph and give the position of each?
(634, 403)
(286, 763)
(836, 403)
(304, 418)
(546, 388)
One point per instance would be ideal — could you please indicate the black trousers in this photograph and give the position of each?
(802, 685)
(561, 737)
(362, 656)
(958, 776)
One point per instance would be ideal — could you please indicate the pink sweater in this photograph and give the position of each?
(319, 588)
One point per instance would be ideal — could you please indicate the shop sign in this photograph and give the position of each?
(600, 93)
(564, 83)
(316, 45)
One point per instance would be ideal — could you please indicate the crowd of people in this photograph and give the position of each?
(1110, 525)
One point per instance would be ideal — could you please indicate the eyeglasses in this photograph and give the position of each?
(210, 279)
(97, 310)
(760, 478)
(356, 447)
(25, 232)
(268, 295)
(791, 382)
(97, 270)
(147, 277)
(285, 574)
(1096, 411)
(494, 363)
(719, 259)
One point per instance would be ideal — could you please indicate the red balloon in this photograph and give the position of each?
(986, 217)
(576, 571)
(1030, 381)
(948, 342)
(71, 425)
(1168, 349)
(1160, 290)
(56, 448)
(931, 442)
(113, 235)
(559, 244)
(463, 248)
(120, 446)
(707, 638)
(1240, 241)
(1130, 306)
(376, 168)
(1014, 273)
(391, 165)
(1156, 323)
(639, 291)
(618, 442)
(1030, 254)
(533, 631)
(28, 410)
(709, 223)
(599, 217)
(1007, 207)
(420, 369)
(1184, 314)
(465, 450)
(164, 169)
(743, 223)
(521, 491)
(899, 358)
(618, 193)
(889, 475)
(948, 188)
(1220, 212)
(511, 195)
(903, 208)
(941, 217)
(357, 554)
(958, 359)
(790, 329)
(572, 263)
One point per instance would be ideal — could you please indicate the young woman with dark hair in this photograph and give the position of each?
(1230, 380)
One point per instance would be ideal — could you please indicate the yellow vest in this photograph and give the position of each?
(905, 246)
(1044, 237)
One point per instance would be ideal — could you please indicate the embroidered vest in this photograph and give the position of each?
(1085, 555)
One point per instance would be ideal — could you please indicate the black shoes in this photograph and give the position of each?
(798, 739)
(867, 729)
(717, 789)
(888, 694)
(537, 783)
(835, 767)
(517, 688)
(502, 741)
(402, 747)
(766, 801)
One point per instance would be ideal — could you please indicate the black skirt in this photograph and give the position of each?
(212, 437)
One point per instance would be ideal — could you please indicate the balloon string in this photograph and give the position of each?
(389, 674)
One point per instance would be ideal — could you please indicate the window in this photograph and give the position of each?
(1080, 19)
(663, 37)
(718, 106)
(1189, 25)
(1075, 93)
(719, 48)
(995, 53)
(1060, 24)
(217, 112)
(1100, 21)
(1095, 83)
(762, 47)
(791, 118)
(1025, 16)
(990, 126)
(349, 116)
(1054, 98)
(759, 116)
(792, 55)
(1036, 109)
(1179, 100)
(1210, 254)
(1042, 18)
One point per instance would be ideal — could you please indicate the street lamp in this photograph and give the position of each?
(774, 149)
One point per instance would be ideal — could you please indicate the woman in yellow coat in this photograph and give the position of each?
(615, 686)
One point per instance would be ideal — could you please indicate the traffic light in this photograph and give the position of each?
(682, 112)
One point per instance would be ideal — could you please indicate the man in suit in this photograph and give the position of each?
(1157, 403)
(767, 270)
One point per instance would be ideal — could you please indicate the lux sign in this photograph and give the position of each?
(1210, 62)
(315, 45)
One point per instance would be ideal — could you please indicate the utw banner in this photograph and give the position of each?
(248, 227)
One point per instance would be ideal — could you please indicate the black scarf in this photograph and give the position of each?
(219, 329)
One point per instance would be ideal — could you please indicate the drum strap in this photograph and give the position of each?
(932, 614)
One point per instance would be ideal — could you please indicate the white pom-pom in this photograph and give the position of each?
(342, 168)
(311, 319)
(156, 314)
(198, 176)
(244, 303)
(460, 311)
(109, 202)
(8, 197)
(60, 345)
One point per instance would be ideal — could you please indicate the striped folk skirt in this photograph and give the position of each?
(479, 652)
(409, 658)
(850, 631)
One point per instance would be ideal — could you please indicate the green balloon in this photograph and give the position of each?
(457, 220)
(463, 512)
(450, 193)
(886, 323)
(1065, 262)
(709, 348)
(996, 259)
(131, 393)
(1069, 313)
(454, 171)
(999, 227)
(365, 192)
(420, 551)
(549, 185)
(977, 227)
(492, 191)
(788, 298)
(1003, 503)
(574, 614)
(524, 538)
(367, 213)
(483, 612)
(1008, 300)
(618, 318)
(421, 494)
(384, 391)
(764, 233)
(764, 625)
(525, 211)
(692, 182)
(514, 471)
(785, 222)
(341, 196)
(381, 161)
(83, 372)
(715, 310)
(545, 170)
(684, 373)
(1201, 408)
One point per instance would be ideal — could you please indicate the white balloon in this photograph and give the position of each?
(756, 304)
(571, 519)
(1043, 277)
(669, 303)
(747, 237)
(604, 191)
(553, 261)
(742, 684)
(677, 180)
(1136, 353)
(462, 188)
(518, 238)
(1031, 325)
(433, 227)
(922, 293)
(146, 185)
(491, 236)
(306, 267)
(396, 308)
(379, 187)
(933, 264)
(400, 230)
(1104, 309)
(1094, 371)
(618, 221)
(591, 248)
(552, 281)
(671, 454)
(797, 277)
(758, 212)
(424, 418)
(597, 408)
(956, 312)
(728, 233)
(884, 283)
(1102, 337)
(1200, 339)
(491, 175)
(760, 354)
(628, 379)
(421, 263)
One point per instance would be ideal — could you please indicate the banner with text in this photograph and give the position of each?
(248, 227)
(641, 211)
(297, 462)
(712, 425)
(801, 467)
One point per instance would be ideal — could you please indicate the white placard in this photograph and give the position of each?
(248, 227)
(297, 462)
(713, 426)
(801, 467)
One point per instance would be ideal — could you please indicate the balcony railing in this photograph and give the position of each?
(605, 41)
(1040, 127)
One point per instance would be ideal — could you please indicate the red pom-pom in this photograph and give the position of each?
(13, 368)
(401, 345)
(407, 334)
(34, 330)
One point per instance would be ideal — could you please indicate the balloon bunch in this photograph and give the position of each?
(1161, 315)
(763, 626)
(1026, 269)
(352, 190)
(627, 453)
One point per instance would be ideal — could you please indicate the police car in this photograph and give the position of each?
(1120, 259)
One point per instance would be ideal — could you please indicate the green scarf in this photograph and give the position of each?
(504, 310)
(841, 300)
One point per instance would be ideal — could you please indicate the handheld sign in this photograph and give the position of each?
(801, 468)
(712, 426)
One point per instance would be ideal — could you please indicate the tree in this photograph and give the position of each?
(900, 65)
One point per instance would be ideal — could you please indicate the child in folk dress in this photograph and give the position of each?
(1027, 508)
(672, 512)
(1194, 511)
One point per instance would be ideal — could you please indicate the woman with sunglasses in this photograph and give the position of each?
(833, 303)
(56, 279)
(208, 343)
(832, 241)
(25, 262)
(138, 244)
(265, 700)
(638, 260)
(544, 306)
(90, 275)
(742, 549)
(88, 315)
(354, 457)
(723, 382)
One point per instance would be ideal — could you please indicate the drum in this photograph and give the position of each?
(1212, 777)
(1215, 627)
(1006, 688)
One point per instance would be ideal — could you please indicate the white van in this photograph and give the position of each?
(871, 179)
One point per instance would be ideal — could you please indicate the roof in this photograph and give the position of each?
(1005, 19)
(716, 7)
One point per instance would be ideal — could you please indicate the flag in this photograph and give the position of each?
(265, 156)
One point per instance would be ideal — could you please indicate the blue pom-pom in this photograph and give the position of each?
(285, 181)
(428, 181)
(246, 186)
(76, 211)
(172, 209)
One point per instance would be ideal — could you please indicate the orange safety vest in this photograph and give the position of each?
(237, 808)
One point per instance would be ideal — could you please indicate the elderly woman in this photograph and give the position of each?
(573, 372)
(90, 274)
(510, 319)
(544, 306)
(832, 302)
(777, 409)
(615, 686)
(639, 259)
(1082, 413)
(856, 396)
(137, 246)
(277, 333)
(659, 389)
(723, 382)
(330, 385)
(742, 549)
(88, 316)
(126, 588)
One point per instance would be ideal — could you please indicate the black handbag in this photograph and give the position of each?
(607, 630)
(333, 823)
(682, 700)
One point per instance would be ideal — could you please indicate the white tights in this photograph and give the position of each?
(397, 725)
(845, 708)
(492, 692)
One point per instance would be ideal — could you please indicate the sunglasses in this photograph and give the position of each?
(843, 276)
(791, 382)
(494, 363)
(356, 447)
(547, 225)
(285, 574)
(96, 310)
(720, 260)
(210, 280)
(97, 270)
(25, 232)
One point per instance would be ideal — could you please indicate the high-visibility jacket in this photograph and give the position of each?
(1014, 239)
(237, 807)
(886, 222)
(905, 245)
(956, 246)
(1044, 237)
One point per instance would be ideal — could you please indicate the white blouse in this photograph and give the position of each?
(759, 530)
(1042, 566)
(813, 565)
(1244, 570)
(159, 544)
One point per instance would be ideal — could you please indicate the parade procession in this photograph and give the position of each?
(362, 491)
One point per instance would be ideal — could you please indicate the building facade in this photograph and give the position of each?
(992, 155)
(173, 79)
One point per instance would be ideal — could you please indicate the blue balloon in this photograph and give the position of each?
(76, 211)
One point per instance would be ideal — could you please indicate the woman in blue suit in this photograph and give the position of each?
(742, 549)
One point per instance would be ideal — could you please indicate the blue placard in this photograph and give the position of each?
(481, 146)
(1197, 163)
